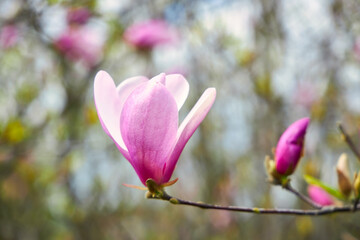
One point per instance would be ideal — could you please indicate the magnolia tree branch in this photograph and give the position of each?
(301, 196)
(348, 140)
(318, 212)
(356, 206)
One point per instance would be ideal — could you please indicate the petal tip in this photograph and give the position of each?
(100, 73)
(305, 120)
(211, 92)
(160, 78)
(302, 124)
(102, 76)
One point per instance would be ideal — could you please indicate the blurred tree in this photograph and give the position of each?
(272, 62)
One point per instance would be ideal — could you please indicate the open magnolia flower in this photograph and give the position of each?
(141, 117)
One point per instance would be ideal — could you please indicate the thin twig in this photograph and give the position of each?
(302, 197)
(348, 140)
(355, 207)
(323, 211)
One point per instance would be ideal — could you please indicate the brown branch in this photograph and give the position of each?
(318, 212)
(301, 196)
(356, 206)
(349, 142)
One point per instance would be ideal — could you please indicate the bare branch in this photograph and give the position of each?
(349, 142)
(318, 212)
(301, 196)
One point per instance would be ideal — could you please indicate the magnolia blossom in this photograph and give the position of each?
(306, 94)
(289, 149)
(150, 34)
(320, 196)
(9, 36)
(81, 44)
(141, 117)
(357, 48)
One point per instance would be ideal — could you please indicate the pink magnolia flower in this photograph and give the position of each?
(149, 34)
(320, 196)
(290, 147)
(9, 36)
(306, 94)
(357, 48)
(141, 117)
(80, 44)
(79, 15)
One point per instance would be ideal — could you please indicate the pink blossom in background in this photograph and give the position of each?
(290, 147)
(141, 117)
(357, 48)
(149, 34)
(320, 196)
(78, 15)
(306, 94)
(81, 44)
(9, 35)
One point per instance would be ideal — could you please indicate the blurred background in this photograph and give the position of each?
(272, 62)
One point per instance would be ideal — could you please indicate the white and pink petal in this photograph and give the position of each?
(106, 101)
(188, 127)
(179, 88)
(149, 123)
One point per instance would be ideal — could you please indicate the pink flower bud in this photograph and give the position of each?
(79, 15)
(9, 36)
(141, 117)
(290, 147)
(320, 196)
(150, 34)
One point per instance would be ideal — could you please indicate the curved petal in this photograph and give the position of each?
(149, 123)
(124, 89)
(188, 127)
(106, 102)
(127, 86)
(179, 88)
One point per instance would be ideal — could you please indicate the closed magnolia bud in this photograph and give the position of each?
(320, 196)
(289, 149)
(342, 170)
